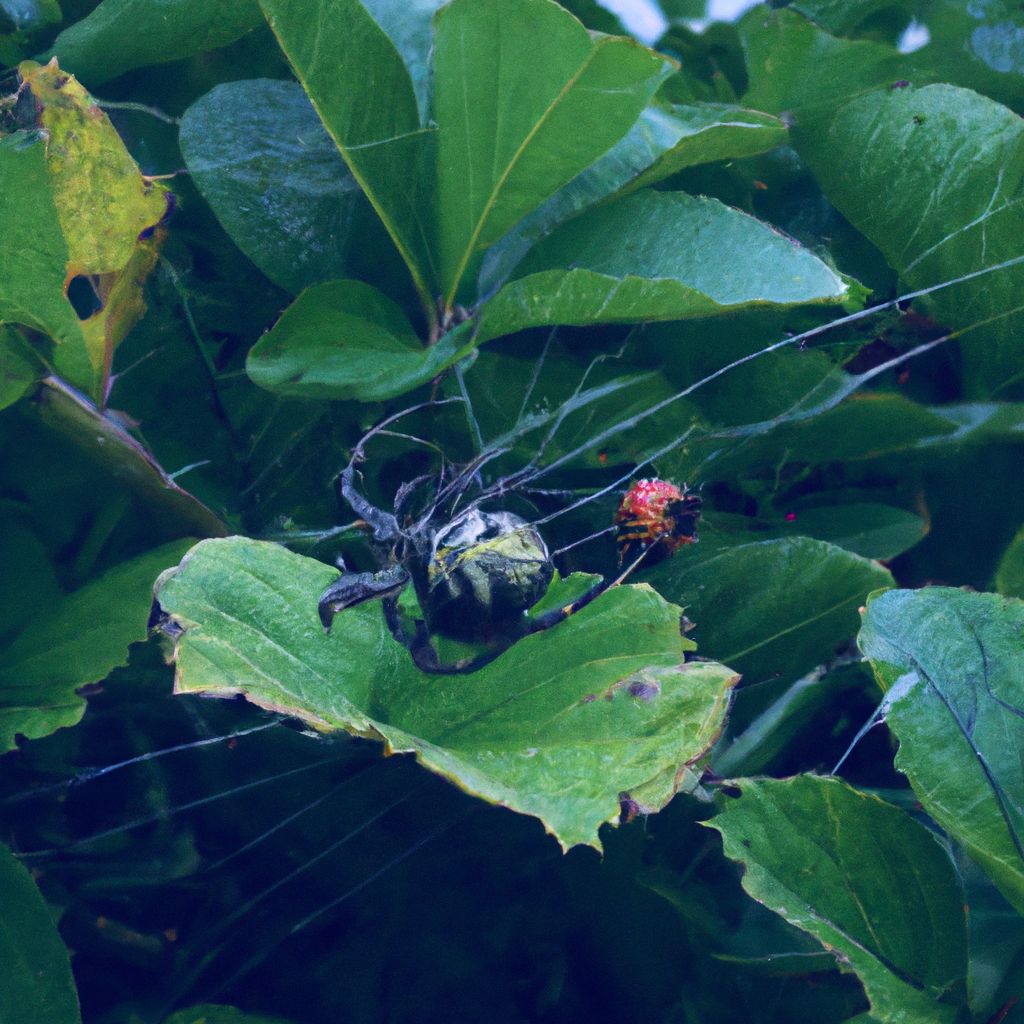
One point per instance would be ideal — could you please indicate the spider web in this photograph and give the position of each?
(54, 822)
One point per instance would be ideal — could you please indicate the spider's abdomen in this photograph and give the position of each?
(485, 570)
(655, 512)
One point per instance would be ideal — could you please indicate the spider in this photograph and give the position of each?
(477, 572)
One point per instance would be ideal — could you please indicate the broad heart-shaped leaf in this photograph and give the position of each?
(657, 256)
(35, 972)
(72, 202)
(870, 883)
(664, 140)
(950, 662)
(277, 183)
(123, 34)
(76, 642)
(344, 339)
(524, 99)
(932, 177)
(360, 87)
(558, 727)
(771, 608)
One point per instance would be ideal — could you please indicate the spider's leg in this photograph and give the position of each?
(384, 525)
(352, 588)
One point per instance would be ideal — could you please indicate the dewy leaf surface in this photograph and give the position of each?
(958, 715)
(36, 985)
(360, 87)
(657, 256)
(77, 642)
(557, 727)
(524, 99)
(344, 339)
(865, 879)
(261, 158)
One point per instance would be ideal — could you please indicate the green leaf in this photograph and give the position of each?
(557, 727)
(408, 25)
(277, 183)
(657, 256)
(524, 99)
(795, 66)
(33, 250)
(35, 972)
(211, 1014)
(865, 879)
(664, 140)
(931, 176)
(866, 529)
(841, 17)
(123, 34)
(360, 87)
(344, 339)
(772, 608)
(1010, 573)
(77, 642)
(950, 664)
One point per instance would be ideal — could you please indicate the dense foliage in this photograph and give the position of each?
(498, 251)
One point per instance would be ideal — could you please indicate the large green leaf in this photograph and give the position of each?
(344, 339)
(360, 87)
(664, 140)
(524, 99)
(407, 23)
(77, 642)
(870, 883)
(950, 663)
(123, 34)
(932, 176)
(657, 256)
(771, 608)
(797, 67)
(557, 727)
(277, 183)
(35, 973)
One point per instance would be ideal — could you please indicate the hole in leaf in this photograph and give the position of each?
(83, 298)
